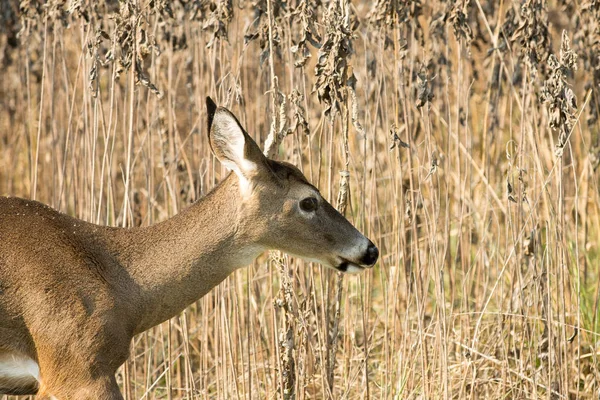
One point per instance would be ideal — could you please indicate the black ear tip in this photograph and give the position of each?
(211, 108)
(210, 104)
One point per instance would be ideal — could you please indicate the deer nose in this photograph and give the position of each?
(371, 255)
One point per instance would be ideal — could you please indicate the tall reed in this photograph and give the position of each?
(461, 136)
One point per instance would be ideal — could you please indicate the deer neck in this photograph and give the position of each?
(176, 262)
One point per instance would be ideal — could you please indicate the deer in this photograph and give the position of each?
(74, 294)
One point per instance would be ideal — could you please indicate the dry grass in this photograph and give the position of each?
(472, 147)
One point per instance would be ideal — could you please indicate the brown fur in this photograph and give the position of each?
(73, 294)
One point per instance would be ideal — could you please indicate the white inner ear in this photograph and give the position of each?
(235, 139)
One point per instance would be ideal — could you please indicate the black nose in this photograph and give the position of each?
(371, 255)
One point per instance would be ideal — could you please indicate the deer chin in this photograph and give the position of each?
(349, 267)
(339, 264)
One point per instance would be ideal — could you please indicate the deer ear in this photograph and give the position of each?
(211, 108)
(234, 148)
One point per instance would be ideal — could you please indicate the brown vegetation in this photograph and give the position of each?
(460, 135)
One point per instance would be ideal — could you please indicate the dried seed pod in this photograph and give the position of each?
(300, 121)
(529, 244)
(332, 66)
(559, 98)
(424, 88)
(218, 20)
(305, 12)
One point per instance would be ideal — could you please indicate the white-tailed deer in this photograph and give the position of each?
(73, 294)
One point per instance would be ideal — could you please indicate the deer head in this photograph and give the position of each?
(279, 208)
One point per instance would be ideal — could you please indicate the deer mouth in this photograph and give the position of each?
(349, 267)
(367, 259)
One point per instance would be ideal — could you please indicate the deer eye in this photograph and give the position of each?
(309, 204)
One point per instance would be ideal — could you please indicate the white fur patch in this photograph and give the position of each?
(13, 365)
(245, 257)
(354, 269)
(245, 186)
(18, 371)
